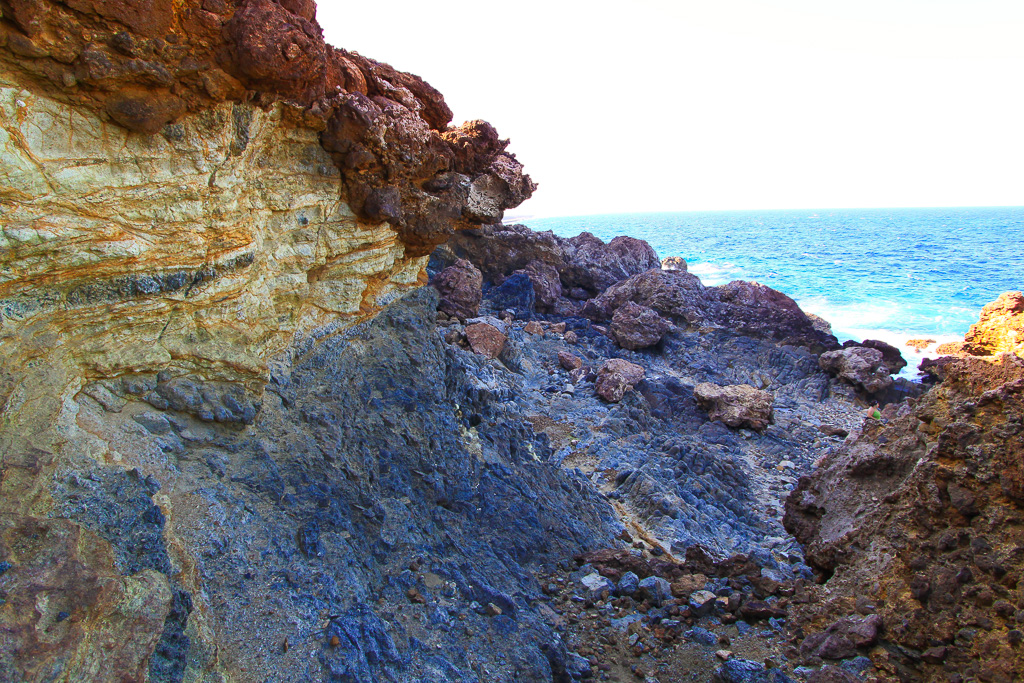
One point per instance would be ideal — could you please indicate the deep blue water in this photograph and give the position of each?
(887, 274)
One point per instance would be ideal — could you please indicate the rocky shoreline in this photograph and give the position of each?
(282, 400)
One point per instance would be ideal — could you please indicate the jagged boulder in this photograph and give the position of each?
(615, 377)
(1000, 329)
(547, 286)
(675, 295)
(499, 250)
(594, 266)
(515, 294)
(759, 311)
(673, 263)
(739, 405)
(485, 339)
(461, 288)
(891, 356)
(862, 367)
(637, 327)
(748, 308)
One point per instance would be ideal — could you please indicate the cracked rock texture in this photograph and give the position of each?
(195, 198)
(918, 520)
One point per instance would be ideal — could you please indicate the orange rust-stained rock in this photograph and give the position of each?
(189, 190)
(1000, 328)
(917, 520)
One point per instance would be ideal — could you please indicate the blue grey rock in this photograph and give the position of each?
(595, 585)
(747, 671)
(655, 589)
(702, 636)
(628, 584)
(516, 294)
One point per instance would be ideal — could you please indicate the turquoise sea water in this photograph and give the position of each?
(889, 274)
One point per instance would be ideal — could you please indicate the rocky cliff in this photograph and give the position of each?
(196, 198)
(916, 523)
(240, 441)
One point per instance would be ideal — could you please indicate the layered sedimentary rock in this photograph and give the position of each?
(917, 522)
(218, 176)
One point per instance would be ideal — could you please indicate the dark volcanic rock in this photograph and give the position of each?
(355, 469)
(516, 294)
(891, 356)
(594, 266)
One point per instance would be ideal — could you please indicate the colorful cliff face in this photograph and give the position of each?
(192, 194)
(220, 178)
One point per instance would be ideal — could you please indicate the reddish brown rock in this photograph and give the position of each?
(569, 361)
(147, 64)
(832, 674)
(1000, 328)
(547, 287)
(533, 327)
(65, 601)
(637, 327)
(910, 520)
(485, 339)
(616, 377)
(500, 250)
(759, 311)
(862, 367)
(746, 307)
(676, 295)
(460, 286)
(739, 405)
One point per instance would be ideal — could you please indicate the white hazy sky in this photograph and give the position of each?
(650, 105)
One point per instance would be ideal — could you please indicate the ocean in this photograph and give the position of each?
(889, 274)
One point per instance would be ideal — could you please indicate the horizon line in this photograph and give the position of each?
(542, 215)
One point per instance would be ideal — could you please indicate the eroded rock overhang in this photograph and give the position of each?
(189, 186)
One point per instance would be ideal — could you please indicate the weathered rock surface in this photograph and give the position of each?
(891, 356)
(860, 366)
(143, 544)
(461, 289)
(637, 327)
(746, 307)
(1000, 328)
(674, 263)
(594, 266)
(485, 339)
(916, 522)
(738, 405)
(615, 377)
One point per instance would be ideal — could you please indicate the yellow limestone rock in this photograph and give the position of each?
(207, 247)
